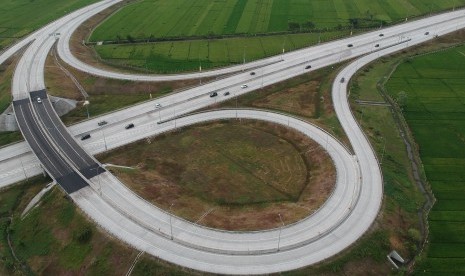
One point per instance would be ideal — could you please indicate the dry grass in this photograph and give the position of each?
(230, 175)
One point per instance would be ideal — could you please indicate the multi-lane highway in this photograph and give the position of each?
(346, 215)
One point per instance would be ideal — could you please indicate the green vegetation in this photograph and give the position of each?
(184, 18)
(237, 22)
(190, 55)
(54, 238)
(430, 90)
(20, 17)
(9, 137)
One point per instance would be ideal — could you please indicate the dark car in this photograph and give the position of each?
(85, 137)
(102, 123)
(342, 80)
(131, 125)
(381, 34)
(377, 45)
(427, 33)
(350, 45)
(308, 67)
(252, 73)
(226, 93)
(213, 94)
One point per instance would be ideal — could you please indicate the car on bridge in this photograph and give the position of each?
(213, 94)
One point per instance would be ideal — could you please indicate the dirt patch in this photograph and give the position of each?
(301, 97)
(239, 178)
(366, 266)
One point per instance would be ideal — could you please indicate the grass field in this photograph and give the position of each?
(189, 55)
(240, 19)
(182, 18)
(239, 174)
(54, 238)
(20, 17)
(431, 90)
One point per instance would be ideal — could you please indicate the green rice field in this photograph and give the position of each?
(190, 55)
(431, 91)
(20, 17)
(182, 18)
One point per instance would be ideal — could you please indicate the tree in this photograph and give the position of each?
(294, 26)
(309, 25)
(130, 38)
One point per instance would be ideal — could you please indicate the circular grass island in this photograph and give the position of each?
(232, 175)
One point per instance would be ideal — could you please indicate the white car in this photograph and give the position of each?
(158, 105)
(39, 100)
(244, 86)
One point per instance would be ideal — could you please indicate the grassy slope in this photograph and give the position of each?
(55, 238)
(20, 17)
(435, 111)
(177, 18)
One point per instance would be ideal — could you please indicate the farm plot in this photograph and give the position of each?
(183, 18)
(431, 91)
(190, 55)
(20, 17)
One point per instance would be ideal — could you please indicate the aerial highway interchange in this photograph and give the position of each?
(343, 219)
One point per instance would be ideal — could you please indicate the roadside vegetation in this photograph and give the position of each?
(6, 75)
(211, 34)
(21, 17)
(54, 238)
(430, 91)
(103, 95)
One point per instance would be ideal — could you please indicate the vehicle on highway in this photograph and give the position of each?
(427, 33)
(244, 86)
(131, 125)
(85, 136)
(350, 45)
(342, 80)
(252, 73)
(226, 93)
(377, 45)
(102, 123)
(213, 94)
(158, 105)
(39, 100)
(308, 67)
(381, 34)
